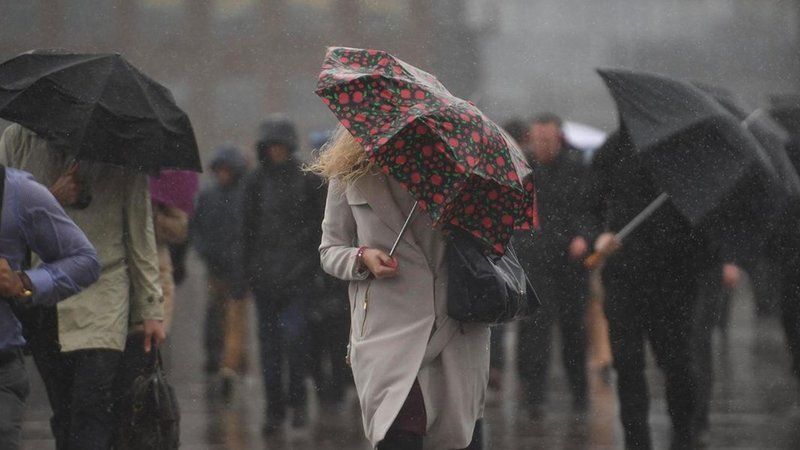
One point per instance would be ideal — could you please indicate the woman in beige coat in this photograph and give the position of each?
(421, 377)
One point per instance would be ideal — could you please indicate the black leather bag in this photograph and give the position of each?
(148, 407)
(485, 288)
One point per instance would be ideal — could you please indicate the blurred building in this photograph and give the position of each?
(541, 54)
(231, 62)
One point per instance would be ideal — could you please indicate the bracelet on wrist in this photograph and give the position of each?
(361, 268)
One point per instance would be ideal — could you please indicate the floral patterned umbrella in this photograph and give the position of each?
(460, 166)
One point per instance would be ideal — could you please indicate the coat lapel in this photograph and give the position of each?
(376, 192)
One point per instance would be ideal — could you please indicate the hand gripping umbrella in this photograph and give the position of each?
(100, 108)
(692, 147)
(460, 166)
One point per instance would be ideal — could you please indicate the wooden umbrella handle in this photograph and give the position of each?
(594, 260)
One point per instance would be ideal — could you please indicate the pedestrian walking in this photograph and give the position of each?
(31, 220)
(215, 233)
(553, 259)
(79, 361)
(282, 211)
(406, 143)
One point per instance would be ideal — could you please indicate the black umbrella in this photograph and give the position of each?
(694, 149)
(100, 107)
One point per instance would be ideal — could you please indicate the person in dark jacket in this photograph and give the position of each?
(215, 233)
(283, 208)
(651, 291)
(552, 257)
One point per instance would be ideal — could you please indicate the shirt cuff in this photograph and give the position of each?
(42, 283)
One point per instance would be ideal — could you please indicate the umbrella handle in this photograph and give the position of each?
(403, 230)
(594, 260)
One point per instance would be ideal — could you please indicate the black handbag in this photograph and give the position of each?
(148, 408)
(483, 288)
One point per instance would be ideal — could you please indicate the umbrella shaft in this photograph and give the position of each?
(403, 230)
(642, 216)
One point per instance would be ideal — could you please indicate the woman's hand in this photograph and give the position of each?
(379, 263)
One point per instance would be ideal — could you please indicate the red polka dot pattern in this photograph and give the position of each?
(459, 165)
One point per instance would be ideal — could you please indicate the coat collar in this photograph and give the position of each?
(375, 190)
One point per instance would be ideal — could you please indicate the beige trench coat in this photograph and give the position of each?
(405, 332)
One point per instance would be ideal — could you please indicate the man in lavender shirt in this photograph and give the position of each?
(31, 218)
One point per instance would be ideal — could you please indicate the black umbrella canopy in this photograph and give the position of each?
(100, 107)
(769, 134)
(695, 150)
(785, 109)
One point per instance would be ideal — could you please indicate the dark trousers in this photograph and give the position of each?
(790, 316)
(14, 390)
(327, 357)
(283, 337)
(656, 306)
(213, 334)
(80, 389)
(711, 301)
(133, 363)
(563, 294)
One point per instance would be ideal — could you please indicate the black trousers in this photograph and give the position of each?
(80, 389)
(283, 337)
(563, 293)
(14, 390)
(709, 310)
(658, 307)
(327, 357)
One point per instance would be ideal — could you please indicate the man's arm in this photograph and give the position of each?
(69, 261)
(147, 301)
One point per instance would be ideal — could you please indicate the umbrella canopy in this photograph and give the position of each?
(785, 109)
(694, 149)
(100, 108)
(459, 165)
(769, 134)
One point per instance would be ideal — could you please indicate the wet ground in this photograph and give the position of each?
(754, 403)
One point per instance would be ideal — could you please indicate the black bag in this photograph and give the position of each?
(485, 288)
(148, 409)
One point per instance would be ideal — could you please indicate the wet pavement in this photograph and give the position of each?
(754, 404)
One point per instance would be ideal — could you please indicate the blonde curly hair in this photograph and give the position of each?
(341, 158)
